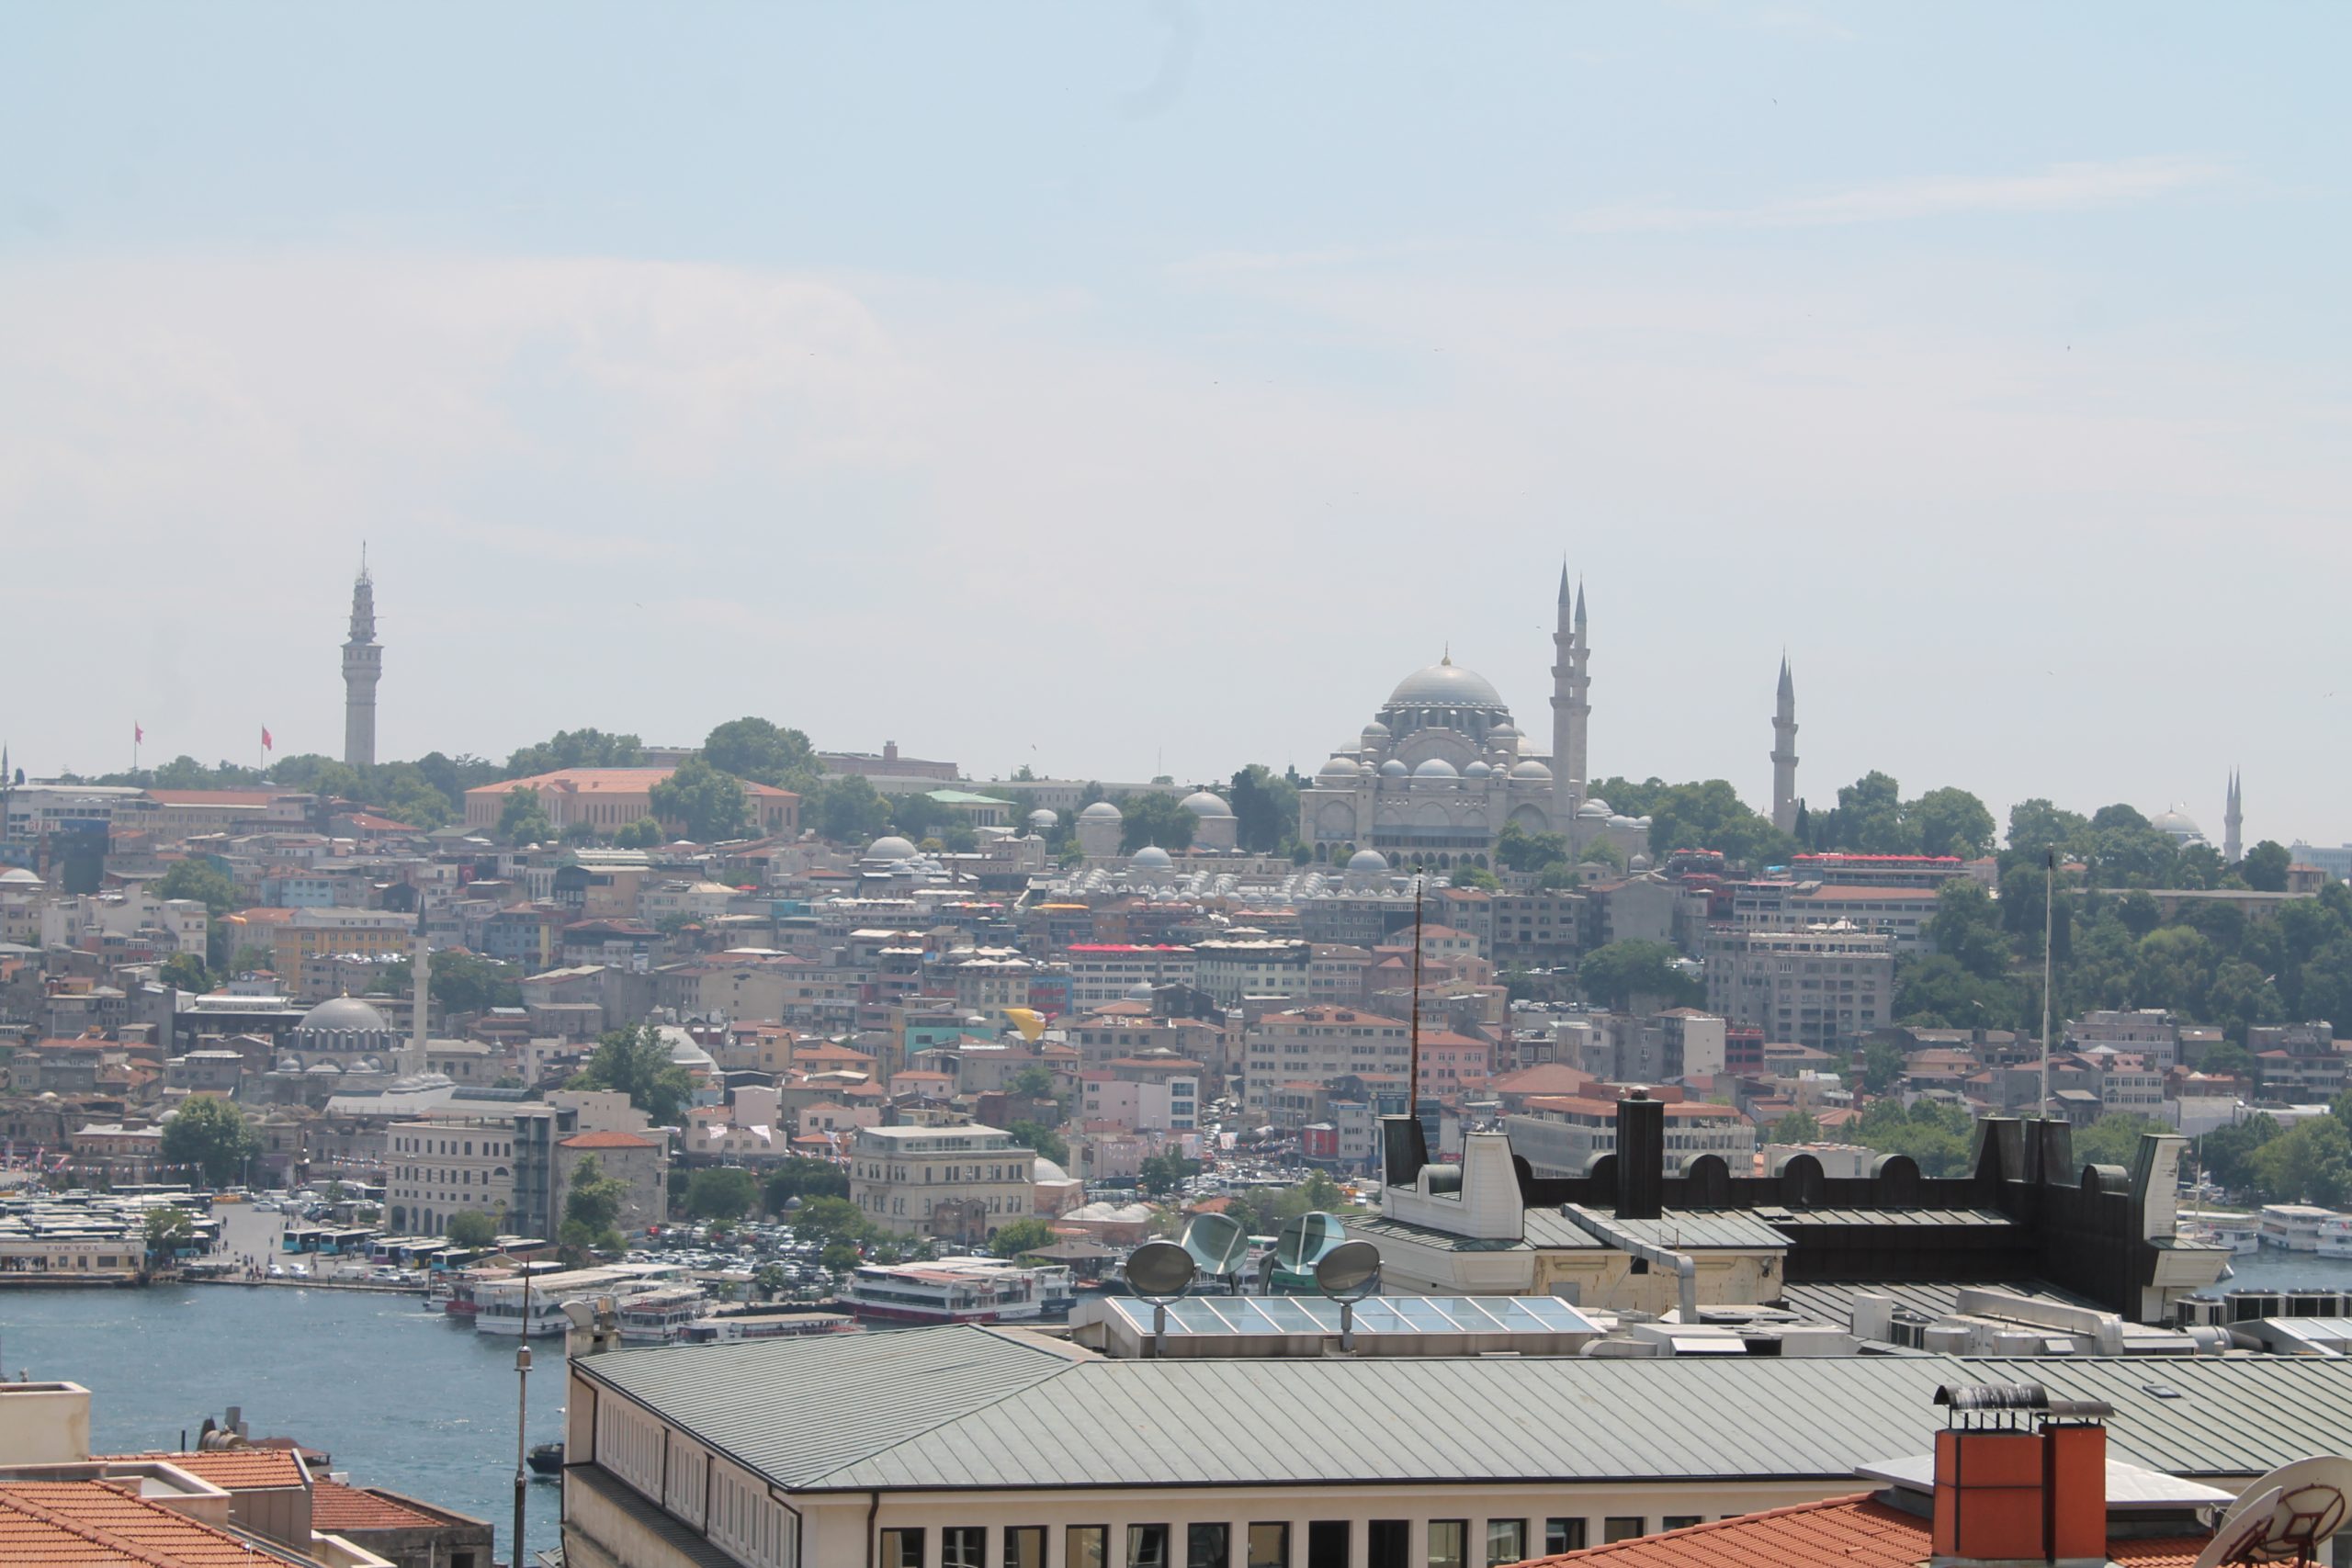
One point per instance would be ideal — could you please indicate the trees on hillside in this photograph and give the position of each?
(1615, 974)
(1265, 804)
(522, 819)
(637, 1063)
(708, 803)
(763, 751)
(592, 1211)
(1155, 816)
(576, 749)
(209, 1135)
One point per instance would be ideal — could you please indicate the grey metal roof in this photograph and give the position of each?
(1377, 1230)
(1936, 1217)
(966, 1408)
(798, 1408)
(1696, 1230)
(1835, 1303)
(1552, 1230)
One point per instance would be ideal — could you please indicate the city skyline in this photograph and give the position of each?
(1245, 362)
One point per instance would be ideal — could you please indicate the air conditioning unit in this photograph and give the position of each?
(2200, 1312)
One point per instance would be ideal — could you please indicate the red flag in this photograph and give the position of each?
(137, 732)
(266, 743)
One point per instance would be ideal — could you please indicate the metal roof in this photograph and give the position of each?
(1373, 1230)
(1936, 1217)
(1696, 1229)
(1834, 1302)
(968, 1409)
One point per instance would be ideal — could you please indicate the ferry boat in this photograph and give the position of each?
(2242, 1234)
(959, 1289)
(736, 1326)
(2294, 1226)
(660, 1317)
(499, 1304)
(2336, 1236)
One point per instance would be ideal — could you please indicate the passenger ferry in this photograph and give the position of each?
(959, 1289)
(498, 1304)
(2336, 1236)
(767, 1326)
(2242, 1234)
(661, 1317)
(2294, 1226)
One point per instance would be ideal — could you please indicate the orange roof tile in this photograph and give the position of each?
(1854, 1532)
(606, 1141)
(88, 1524)
(337, 1509)
(234, 1470)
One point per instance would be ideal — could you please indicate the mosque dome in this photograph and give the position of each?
(1201, 803)
(1048, 1171)
(328, 1068)
(684, 1052)
(1446, 684)
(889, 847)
(1140, 991)
(2178, 823)
(1393, 768)
(1503, 732)
(1436, 768)
(1338, 770)
(1152, 857)
(1477, 770)
(16, 875)
(1529, 769)
(1621, 820)
(1639, 862)
(344, 1012)
(1041, 817)
(1101, 811)
(1375, 730)
(1606, 810)
(1368, 863)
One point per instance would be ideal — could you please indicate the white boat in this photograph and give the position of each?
(766, 1326)
(2294, 1226)
(660, 1317)
(2336, 1236)
(498, 1304)
(2242, 1234)
(959, 1289)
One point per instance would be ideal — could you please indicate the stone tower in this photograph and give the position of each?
(1784, 753)
(363, 666)
(1570, 682)
(2233, 817)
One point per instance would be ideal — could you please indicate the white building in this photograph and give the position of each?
(960, 1183)
(1818, 985)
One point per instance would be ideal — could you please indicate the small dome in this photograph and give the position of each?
(328, 1067)
(1639, 862)
(684, 1052)
(1436, 768)
(1620, 820)
(289, 1064)
(1529, 769)
(1338, 770)
(1368, 863)
(1152, 857)
(1643, 820)
(1503, 732)
(1477, 770)
(2178, 823)
(889, 847)
(344, 1012)
(1201, 803)
(1375, 730)
(1594, 811)
(1596, 800)
(1048, 1171)
(1446, 684)
(16, 875)
(1101, 811)
(1041, 817)
(1392, 768)
(1140, 991)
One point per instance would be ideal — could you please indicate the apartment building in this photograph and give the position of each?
(1316, 1044)
(957, 1183)
(1563, 1135)
(1230, 968)
(1103, 972)
(1817, 986)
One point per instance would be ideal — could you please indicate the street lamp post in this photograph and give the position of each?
(522, 1417)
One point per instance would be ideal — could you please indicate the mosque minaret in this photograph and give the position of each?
(363, 666)
(1784, 753)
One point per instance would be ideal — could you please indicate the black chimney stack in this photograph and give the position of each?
(1641, 1155)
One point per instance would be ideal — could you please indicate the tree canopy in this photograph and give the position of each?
(1265, 804)
(522, 819)
(1027, 1233)
(709, 804)
(762, 751)
(203, 881)
(576, 749)
(636, 1062)
(471, 1227)
(592, 1210)
(723, 1193)
(1155, 816)
(209, 1135)
(1614, 975)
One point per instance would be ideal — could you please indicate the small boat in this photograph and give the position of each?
(546, 1458)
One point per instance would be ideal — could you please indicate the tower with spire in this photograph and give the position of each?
(2232, 819)
(1570, 707)
(1784, 753)
(363, 666)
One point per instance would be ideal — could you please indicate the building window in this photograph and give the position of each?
(1447, 1543)
(902, 1549)
(1563, 1535)
(1269, 1546)
(1024, 1546)
(1208, 1546)
(1390, 1543)
(1506, 1541)
(1680, 1521)
(1148, 1546)
(1328, 1541)
(1621, 1526)
(963, 1546)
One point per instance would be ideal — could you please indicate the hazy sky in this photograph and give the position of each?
(1097, 385)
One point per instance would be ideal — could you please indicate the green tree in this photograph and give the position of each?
(1043, 1139)
(851, 811)
(828, 1219)
(1869, 819)
(1035, 1081)
(1600, 852)
(708, 803)
(1711, 815)
(764, 752)
(522, 819)
(1155, 816)
(1937, 992)
(1516, 849)
(804, 1179)
(2036, 827)
(1265, 807)
(462, 981)
(576, 749)
(1796, 1126)
(2227, 1154)
(642, 834)
(2265, 866)
(1614, 975)
(471, 1227)
(200, 880)
(2308, 1162)
(2114, 1139)
(840, 1255)
(724, 1194)
(167, 1231)
(1027, 1233)
(186, 972)
(636, 1062)
(1624, 795)
(592, 1211)
(1163, 1173)
(1968, 927)
(1951, 821)
(1883, 1065)
(1478, 877)
(209, 1135)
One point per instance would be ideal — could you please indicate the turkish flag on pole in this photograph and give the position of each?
(266, 743)
(138, 732)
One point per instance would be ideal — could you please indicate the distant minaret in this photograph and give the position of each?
(363, 666)
(2232, 817)
(1569, 684)
(1784, 753)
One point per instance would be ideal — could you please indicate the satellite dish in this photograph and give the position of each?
(2284, 1516)
(1159, 1269)
(1347, 1268)
(1217, 1244)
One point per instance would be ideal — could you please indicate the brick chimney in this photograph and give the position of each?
(2019, 1477)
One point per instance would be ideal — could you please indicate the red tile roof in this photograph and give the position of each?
(337, 1509)
(88, 1524)
(234, 1470)
(606, 1141)
(1854, 1532)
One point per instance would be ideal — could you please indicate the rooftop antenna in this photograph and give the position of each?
(1413, 1065)
(1347, 1274)
(1160, 1272)
(522, 1414)
(2286, 1517)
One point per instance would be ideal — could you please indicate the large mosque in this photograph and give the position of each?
(1441, 767)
